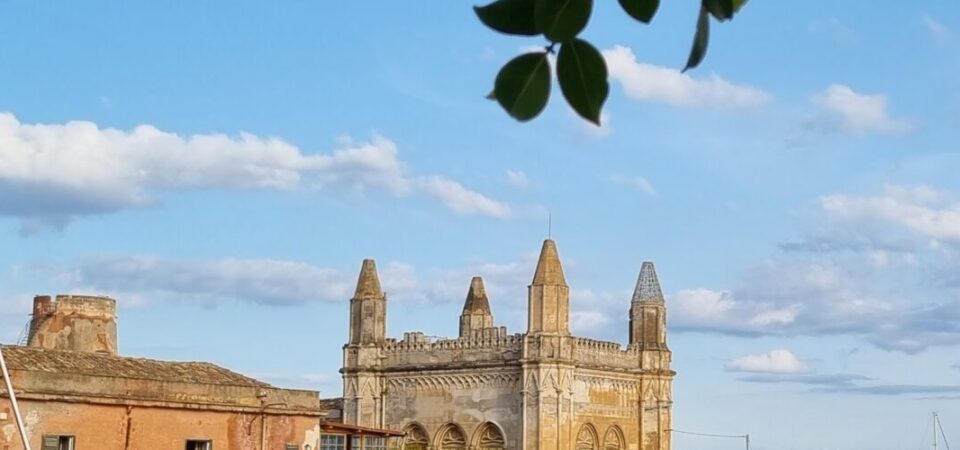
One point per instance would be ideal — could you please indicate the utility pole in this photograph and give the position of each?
(935, 430)
(747, 437)
(13, 401)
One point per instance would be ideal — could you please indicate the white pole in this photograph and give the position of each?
(934, 430)
(13, 401)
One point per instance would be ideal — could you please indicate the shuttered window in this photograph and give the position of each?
(57, 442)
(198, 444)
(291, 447)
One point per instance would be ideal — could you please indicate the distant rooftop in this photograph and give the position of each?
(32, 359)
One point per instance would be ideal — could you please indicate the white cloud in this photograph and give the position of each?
(699, 305)
(262, 281)
(591, 129)
(852, 112)
(15, 312)
(443, 285)
(881, 267)
(774, 361)
(50, 174)
(635, 181)
(940, 32)
(460, 199)
(921, 209)
(647, 82)
(599, 313)
(517, 179)
(786, 297)
(398, 278)
(582, 322)
(834, 29)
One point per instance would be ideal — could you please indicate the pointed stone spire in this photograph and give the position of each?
(548, 297)
(648, 287)
(368, 308)
(549, 271)
(477, 302)
(476, 315)
(368, 284)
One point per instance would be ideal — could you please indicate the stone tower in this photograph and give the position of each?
(543, 389)
(548, 296)
(548, 355)
(476, 315)
(648, 336)
(648, 312)
(78, 323)
(362, 384)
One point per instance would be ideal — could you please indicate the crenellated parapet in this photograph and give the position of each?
(596, 353)
(488, 346)
(486, 338)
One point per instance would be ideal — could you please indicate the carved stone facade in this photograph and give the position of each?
(487, 389)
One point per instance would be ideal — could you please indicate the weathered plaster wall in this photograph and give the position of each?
(124, 413)
(74, 322)
(125, 427)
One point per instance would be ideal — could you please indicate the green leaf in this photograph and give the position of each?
(562, 20)
(582, 74)
(642, 10)
(700, 40)
(720, 9)
(523, 85)
(737, 4)
(509, 16)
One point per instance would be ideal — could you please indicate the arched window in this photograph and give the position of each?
(488, 437)
(587, 438)
(415, 437)
(451, 437)
(613, 440)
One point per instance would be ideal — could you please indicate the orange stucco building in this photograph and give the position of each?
(75, 393)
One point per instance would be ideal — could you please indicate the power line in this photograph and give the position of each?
(923, 438)
(936, 424)
(739, 436)
(745, 437)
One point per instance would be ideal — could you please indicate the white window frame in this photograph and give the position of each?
(380, 440)
(341, 445)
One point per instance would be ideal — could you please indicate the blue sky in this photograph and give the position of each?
(223, 168)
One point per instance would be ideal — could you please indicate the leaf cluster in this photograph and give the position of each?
(522, 86)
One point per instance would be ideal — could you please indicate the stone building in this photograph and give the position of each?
(75, 393)
(488, 389)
